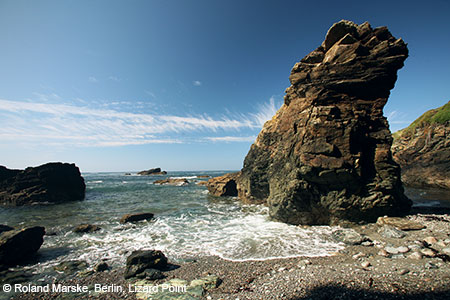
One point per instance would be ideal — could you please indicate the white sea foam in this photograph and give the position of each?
(183, 177)
(230, 232)
(95, 181)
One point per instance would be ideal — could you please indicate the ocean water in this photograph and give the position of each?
(188, 223)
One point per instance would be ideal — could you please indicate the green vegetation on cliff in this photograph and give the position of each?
(440, 115)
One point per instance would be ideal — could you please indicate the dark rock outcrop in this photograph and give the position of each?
(325, 157)
(17, 245)
(49, 183)
(155, 171)
(423, 150)
(136, 217)
(224, 185)
(141, 260)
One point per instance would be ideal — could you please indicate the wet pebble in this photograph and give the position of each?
(365, 264)
(430, 266)
(415, 255)
(428, 252)
(358, 255)
(403, 249)
(430, 240)
(403, 271)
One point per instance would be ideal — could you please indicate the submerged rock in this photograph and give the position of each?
(49, 183)
(18, 245)
(86, 228)
(325, 157)
(71, 266)
(136, 217)
(423, 150)
(224, 185)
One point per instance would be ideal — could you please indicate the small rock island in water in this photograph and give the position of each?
(325, 157)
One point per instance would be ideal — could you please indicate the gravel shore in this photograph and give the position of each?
(378, 268)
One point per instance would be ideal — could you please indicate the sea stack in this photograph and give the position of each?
(325, 157)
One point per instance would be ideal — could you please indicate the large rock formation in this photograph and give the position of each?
(325, 157)
(423, 150)
(49, 183)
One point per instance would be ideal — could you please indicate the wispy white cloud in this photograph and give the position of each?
(397, 120)
(266, 111)
(197, 83)
(93, 79)
(114, 78)
(150, 93)
(85, 126)
(231, 138)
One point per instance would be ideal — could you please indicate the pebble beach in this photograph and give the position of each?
(413, 266)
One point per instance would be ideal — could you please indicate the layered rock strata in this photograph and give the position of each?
(325, 157)
(423, 150)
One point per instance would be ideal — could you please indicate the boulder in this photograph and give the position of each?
(155, 171)
(325, 157)
(224, 185)
(18, 245)
(136, 217)
(348, 236)
(86, 228)
(391, 232)
(399, 223)
(49, 183)
(141, 260)
(423, 150)
(172, 181)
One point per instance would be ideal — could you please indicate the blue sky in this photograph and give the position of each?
(184, 85)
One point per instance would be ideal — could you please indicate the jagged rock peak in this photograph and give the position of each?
(325, 157)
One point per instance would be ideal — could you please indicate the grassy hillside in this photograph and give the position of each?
(439, 115)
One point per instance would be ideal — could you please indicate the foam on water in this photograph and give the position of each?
(232, 232)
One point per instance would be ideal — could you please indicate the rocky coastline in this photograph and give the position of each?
(373, 265)
(423, 150)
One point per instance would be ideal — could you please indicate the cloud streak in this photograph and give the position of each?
(95, 127)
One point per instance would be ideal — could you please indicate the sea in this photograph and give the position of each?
(188, 223)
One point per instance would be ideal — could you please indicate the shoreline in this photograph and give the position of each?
(357, 271)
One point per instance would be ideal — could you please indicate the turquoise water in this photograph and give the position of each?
(188, 223)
